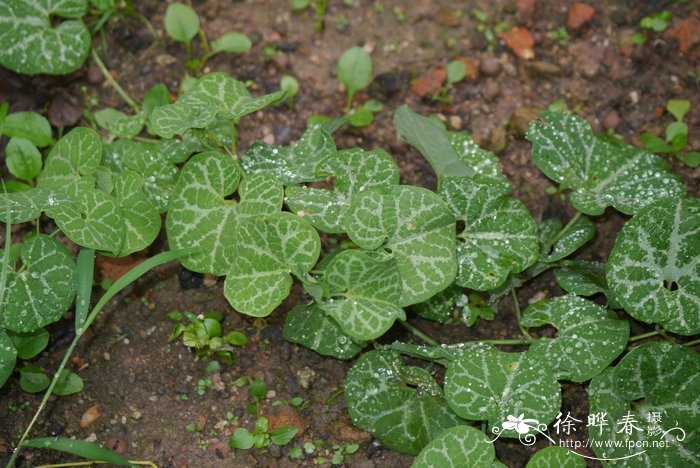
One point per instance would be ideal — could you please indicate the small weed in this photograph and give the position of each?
(204, 334)
(676, 135)
(654, 23)
(261, 436)
(561, 35)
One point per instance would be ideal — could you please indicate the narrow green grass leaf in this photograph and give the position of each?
(79, 448)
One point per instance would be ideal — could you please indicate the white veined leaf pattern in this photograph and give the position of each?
(652, 396)
(654, 268)
(213, 94)
(312, 327)
(580, 232)
(456, 447)
(141, 219)
(30, 44)
(487, 384)
(28, 205)
(41, 291)
(355, 170)
(401, 405)
(120, 124)
(483, 162)
(499, 235)
(291, 164)
(201, 216)
(556, 457)
(585, 279)
(588, 340)
(8, 357)
(412, 225)
(363, 294)
(600, 172)
(267, 250)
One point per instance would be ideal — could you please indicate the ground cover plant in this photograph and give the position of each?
(370, 252)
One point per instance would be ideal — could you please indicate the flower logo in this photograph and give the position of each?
(519, 424)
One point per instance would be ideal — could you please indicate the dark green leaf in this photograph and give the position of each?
(79, 448)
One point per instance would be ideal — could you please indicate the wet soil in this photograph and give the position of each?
(146, 387)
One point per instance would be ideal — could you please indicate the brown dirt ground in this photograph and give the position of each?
(147, 386)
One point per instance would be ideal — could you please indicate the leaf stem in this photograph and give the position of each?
(425, 338)
(108, 76)
(563, 231)
(643, 336)
(692, 343)
(516, 306)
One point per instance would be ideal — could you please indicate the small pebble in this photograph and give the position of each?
(136, 415)
(117, 445)
(611, 120)
(106, 356)
(209, 280)
(271, 394)
(455, 122)
(275, 451)
(306, 376)
(490, 66)
(94, 74)
(153, 398)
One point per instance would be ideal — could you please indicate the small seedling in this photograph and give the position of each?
(182, 25)
(654, 23)
(289, 85)
(484, 26)
(676, 135)
(319, 7)
(341, 453)
(561, 35)
(204, 333)
(261, 437)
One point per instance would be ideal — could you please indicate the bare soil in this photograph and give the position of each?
(146, 387)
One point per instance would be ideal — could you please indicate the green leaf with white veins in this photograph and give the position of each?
(652, 396)
(585, 279)
(212, 95)
(412, 225)
(200, 216)
(28, 205)
(580, 232)
(311, 327)
(654, 268)
(92, 220)
(120, 124)
(76, 155)
(268, 249)
(588, 340)
(355, 170)
(8, 357)
(487, 384)
(556, 456)
(458, 446)
(364, 293)
(401, 405)
(499, 235)
(601, 173)
(41, 291)
(29, 42)
(141, 219)
(291, 164)
(483, 162)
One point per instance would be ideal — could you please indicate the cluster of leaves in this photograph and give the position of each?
(205, 335)
(676, 135)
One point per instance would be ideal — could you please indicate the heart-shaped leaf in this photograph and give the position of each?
(600, 172)
(28, 205)
(499, 235)
(587, 340)
(152, 162)
(8, 357)
(28, 125)
(213, 94)
(401, 405)
(355, 170)
(74, 156)
(29, 42)
(665, 422)
(42, 289)
(555, 455)
(487, 384)
(311, 327)
(654, 267)
(118, 123)
(267, 250)
(181, 22)
(291, 164)
(585, 279)
(458, 446)
(141, 219)
(363, 294)
(412, 225)
(201, 216)
(483, 162)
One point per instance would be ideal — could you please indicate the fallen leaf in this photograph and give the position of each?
(526, 8)
(285, 415)
(579, 14)
(91, 415)
(687, 33)
(430, 83)
(115, 268)
(520, 41)
(64, 111)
